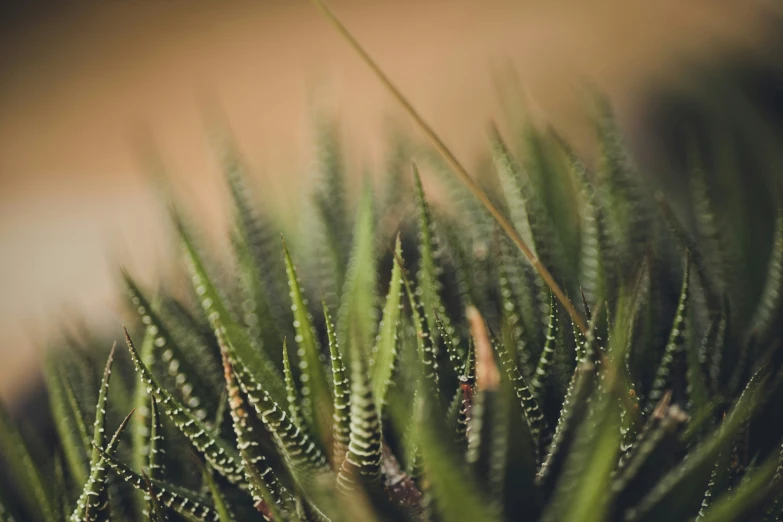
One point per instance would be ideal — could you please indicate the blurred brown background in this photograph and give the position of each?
(75, 83)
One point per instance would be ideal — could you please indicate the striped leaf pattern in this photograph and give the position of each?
(92, 499)
(221, 456)
(362, 463)
(341, 428)
(265, 488)
(187, 503)
(434, 402)
(296, 444)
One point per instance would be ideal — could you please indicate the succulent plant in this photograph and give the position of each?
(567, 349)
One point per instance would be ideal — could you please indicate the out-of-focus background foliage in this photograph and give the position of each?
(79, 81)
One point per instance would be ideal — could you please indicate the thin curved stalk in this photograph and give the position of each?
(455, 165)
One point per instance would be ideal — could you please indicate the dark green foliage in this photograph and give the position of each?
(192, 391)
(263, 485)
(258, 258)
(385, 350)
(93, 498)
(411, 408)
(770, 307)
(187, 503)
(69, 420)
(666, 377)
(315, 390)
(37, 498)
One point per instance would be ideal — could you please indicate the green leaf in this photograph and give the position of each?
(63, 507)
(511, 322)
(680, 489)
(470, 271)
(547, 245)
(140, 424)
(706, 221)
(195, 337)
(68, 421)
(514, 186)
(155, 513)
(719, 481)
(93, 497)
(189, 504)
(385, 351)
(572, 413)
(488, 441)
(698, 390)
(541, 375)
(711, 349)
(362, 463)
(256, 247)
(262, 329)
(651, 453)
(581, 491)
(553, 214)
(776, 508)
(316, 393)
(219, 453)
(452, 346)
(424, 341)
(748, 499)
(292, 395)
(221, 507)
(461, 405)
(357, 316)
(261, 366)
(628, 209)
(695, 255)
(330, 202)
(530, 295)
(5, 515)
(89, 506)
(35, 494)
(457, 417)
(156, 452)
(296, 445)
(769, 308)
(428, 281)
(268, 493)
(595, 249)
(675, 347)
(193, 390)
(533, 414)
(341, 426)
(394, 195)
(456, 493)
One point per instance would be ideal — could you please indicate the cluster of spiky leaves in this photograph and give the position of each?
(451, 384)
